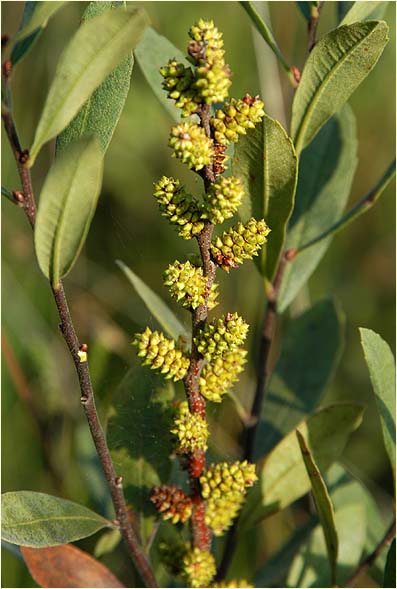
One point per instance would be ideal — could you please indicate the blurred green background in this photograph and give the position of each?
(358, 269)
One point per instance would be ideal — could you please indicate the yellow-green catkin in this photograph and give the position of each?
(223, 199)
(188, 285)
(161, 354)
(212, 75)
(218, 376)
(234, 583)
(191, 145)
(224, 487)
(199, 568)
(178, 81)
(189, 429)
(179, 207)
(223, 335)
(236, 117)
(241, 242)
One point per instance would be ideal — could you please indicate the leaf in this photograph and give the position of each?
(36, 15)
(67, 566)
(266, 163)
(138, 440)
(33, 12)
(151, 53)
(94, 51)
(338, 63)
(326, 171)
(304, 7)
(324, 505)
(156, 305)
(381, 366)
(361, 11)
(283, 477)
(342, 8)
(309, 567)
(100, 114)
(36, 519)
(310, 351)
(67, 204)
(390, 569)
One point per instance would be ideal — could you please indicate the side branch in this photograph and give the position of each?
(127, 530)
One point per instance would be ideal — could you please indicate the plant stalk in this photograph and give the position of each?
(127, 530)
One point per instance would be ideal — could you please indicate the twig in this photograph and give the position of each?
(22, 388)
(268, 329)
(362, 206)
(87, 394)
(370, 559)
(201, 534)
(315, 10)
(268, 37)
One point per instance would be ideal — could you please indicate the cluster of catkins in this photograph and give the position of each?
(201, 81)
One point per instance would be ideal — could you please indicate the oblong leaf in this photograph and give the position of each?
(326, 171)
(338, 63)
(389, 579)
(67, 566)
(67, 204)
(282, 474)
(95, 50)
(37, 519)
(100, 114)
(156, 305)
(310, 352)
(381, 366)
(266, 163)
(323, 503)
(35, 14)
(364, 11)
(152, 52)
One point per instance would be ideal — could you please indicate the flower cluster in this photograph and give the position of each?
(160, 353)
(172, 503)
(223, 199)
(226, 334)
(190, 429)
(191, 145)
(178, 81)
(238, 583)
(239, 243)
(212, 75)
(236, 117)
(224, 487)
(188, 284)
(180, 208)
(218, 377)
(198, 568)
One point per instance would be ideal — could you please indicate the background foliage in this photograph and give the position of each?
(358, 269)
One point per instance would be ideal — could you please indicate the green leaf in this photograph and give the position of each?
(36, 15)
(151, 53)
(100, 114)
(266, 163)
(390, 568)
(304, 7)
(309, 355)
(33, 13)
(67, 204)
(381, 366)
(326, 171)
(309, 567)
(338, 63)
(95, 50)
(361, 11)
(5, 192)
(107, 543)
(37, 519)
(283, 475)
(156, 305)
(324, 505)
(342, 8)
(141, 452)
